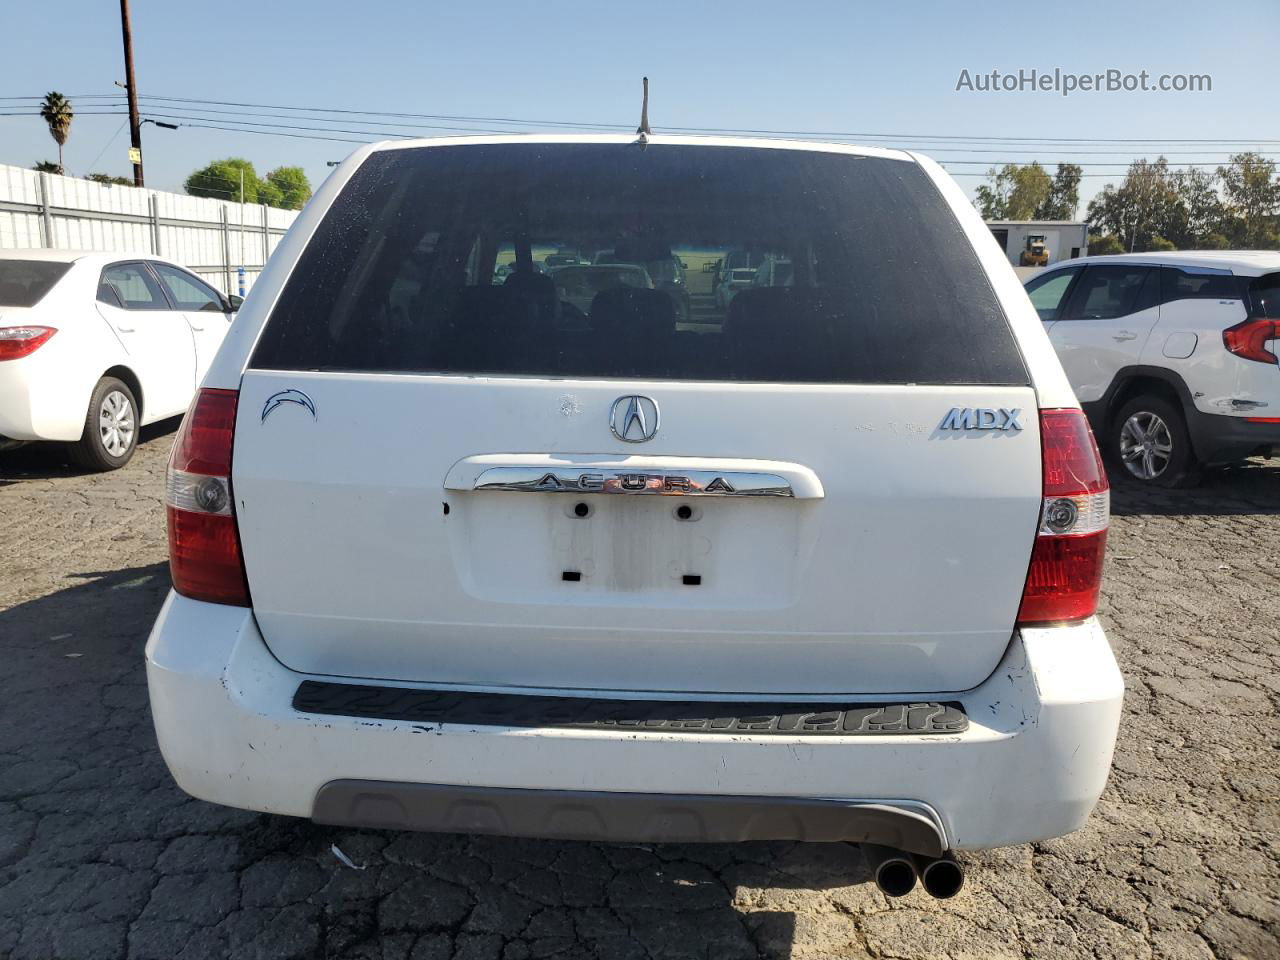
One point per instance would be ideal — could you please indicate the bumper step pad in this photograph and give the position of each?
(518, 710)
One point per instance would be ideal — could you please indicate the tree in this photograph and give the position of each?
(56, 111)
(1064, 195)
(285, 187)
(270, 194)
(1104, 244)
(221, 180)
(1204, 210)
(1252, 194)
(1146, 205)
(1014, 193)
(294, 187)
(109, 180)
(46, 166)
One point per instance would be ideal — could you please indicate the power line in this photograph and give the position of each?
(229, 116)
(109, 142)
(627, 126)
(521, 121)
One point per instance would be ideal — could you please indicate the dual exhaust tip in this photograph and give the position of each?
(896, 872)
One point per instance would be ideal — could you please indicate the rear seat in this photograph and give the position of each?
(514, 313)
(633, 331)
(804, 342)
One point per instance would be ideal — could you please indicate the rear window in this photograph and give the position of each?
(1181, 283)
(433, 260)
(1264, 296)
(24, 283)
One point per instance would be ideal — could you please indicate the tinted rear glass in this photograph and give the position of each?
(23, 283)
(1183, 284)
(1264, 296)
(434, 260)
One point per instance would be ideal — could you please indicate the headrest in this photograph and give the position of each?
(633, 311)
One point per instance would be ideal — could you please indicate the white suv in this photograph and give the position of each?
(1172, 355)
(451, 554)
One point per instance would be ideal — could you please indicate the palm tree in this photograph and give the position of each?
(56, 111)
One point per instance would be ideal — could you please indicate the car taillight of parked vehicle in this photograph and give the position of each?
(17, 342)
(1066, 562)
(205, 560)
(1249, 339)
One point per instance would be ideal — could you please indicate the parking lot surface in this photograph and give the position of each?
(101, 856)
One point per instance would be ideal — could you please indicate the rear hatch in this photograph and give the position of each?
(447, 473)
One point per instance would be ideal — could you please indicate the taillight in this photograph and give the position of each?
(205, 561)
(1066, 561)
(1248, 339)
(18, 342)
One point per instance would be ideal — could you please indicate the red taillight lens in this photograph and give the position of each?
(205, 560)
(1066, 561)
(16, 342)
(1248, 339)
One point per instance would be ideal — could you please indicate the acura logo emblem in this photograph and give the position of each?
(634, 419)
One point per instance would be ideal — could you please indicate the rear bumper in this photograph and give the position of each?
(40, 401)
(16, 416)
(1030, 766)
(1218, 438)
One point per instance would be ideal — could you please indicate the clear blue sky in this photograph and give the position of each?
(843, 66)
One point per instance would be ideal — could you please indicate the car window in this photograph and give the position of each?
(368, 294)
(1104, 293)
(188, 292)
(1264, 296)
(1177, 283)
(134, 286)
(24, 283)
(1047, 292)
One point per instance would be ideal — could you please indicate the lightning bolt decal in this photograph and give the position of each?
(288, 396)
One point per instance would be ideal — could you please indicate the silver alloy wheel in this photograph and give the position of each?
(115, 423)
(1146, 445)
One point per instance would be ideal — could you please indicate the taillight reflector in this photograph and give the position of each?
(1065, 574)
(1248, 339)
(205, 560)
(17, 342)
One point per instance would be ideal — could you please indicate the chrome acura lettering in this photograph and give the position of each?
(693, 483)
(982, 418)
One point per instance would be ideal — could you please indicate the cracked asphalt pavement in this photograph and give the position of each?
(101, 856)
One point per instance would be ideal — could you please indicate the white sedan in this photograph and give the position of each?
(95, 345)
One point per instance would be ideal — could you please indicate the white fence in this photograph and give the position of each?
(212, 237)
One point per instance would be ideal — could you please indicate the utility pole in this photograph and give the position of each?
(131, 87)
(240, 272)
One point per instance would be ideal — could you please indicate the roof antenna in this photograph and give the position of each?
(643, 129)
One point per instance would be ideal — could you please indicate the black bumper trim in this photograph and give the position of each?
(1218, 438)
(666, 716)
(623, 817)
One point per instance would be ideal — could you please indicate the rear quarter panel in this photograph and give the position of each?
(1214, 377)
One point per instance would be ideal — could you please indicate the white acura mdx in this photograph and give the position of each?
(451, 553)
(95, 345)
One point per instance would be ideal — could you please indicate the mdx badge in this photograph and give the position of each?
(981, 418)
(634, 419)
